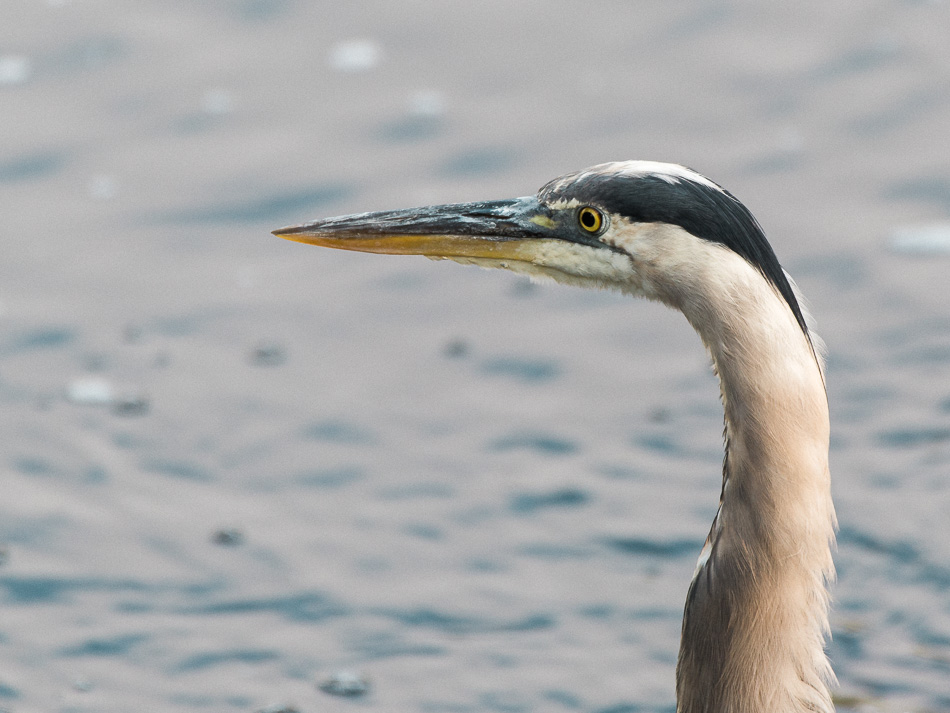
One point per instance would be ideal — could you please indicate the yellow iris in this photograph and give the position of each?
(590, 219)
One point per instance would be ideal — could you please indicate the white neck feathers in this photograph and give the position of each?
(756, 617)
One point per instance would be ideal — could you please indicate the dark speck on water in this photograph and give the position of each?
(411, 128)
(90, 53)
(228, 537)
(211, 659)
(911, 437)
(31, 167)
(459, 624)
(268, 354)
(477, 162)
(537, 442)
(260, 10)
(114, 646)
(456, 349)
(657, 442)
(655, 548)
(527, 370)
(37, 339)
(565, 498)
(35, 590)
(338, 432)
(178, 469)
(305, 606)
(898, 550)
(131, 404)
(555, 551)
(934, 189)
(9, 693)
(626, 708)
(330, 477)
(31, 465)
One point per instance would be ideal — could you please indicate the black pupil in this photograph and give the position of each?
(588, 218)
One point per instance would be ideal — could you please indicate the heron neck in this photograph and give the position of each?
(756, 615)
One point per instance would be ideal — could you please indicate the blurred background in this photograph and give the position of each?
(236, 468)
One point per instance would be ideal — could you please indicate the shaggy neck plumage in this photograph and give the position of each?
(756, 614)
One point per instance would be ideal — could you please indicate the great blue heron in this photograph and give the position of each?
(756, 613)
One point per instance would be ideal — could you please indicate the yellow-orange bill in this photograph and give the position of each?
(430, 245)
(495, 230)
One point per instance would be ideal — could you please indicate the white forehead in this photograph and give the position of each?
(669, 172)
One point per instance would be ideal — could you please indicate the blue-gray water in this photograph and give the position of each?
(235, 466)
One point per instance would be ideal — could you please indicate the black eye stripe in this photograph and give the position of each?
(700, 208)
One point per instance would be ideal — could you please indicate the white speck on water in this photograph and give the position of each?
(217, 101)
(15, 69)
(91, 391)
(82, 684)
(922, 239)
(355, 56)
(103, 187)
(427, 103)
(348, 684)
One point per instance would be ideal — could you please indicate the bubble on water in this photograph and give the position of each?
(82, 684)
(103, 187)
(91, 391)
(345, 683)
(15, 69)
(355, 55)
(217, 102)
(427, 103)
(921, 239)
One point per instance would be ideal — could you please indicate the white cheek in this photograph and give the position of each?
(584, 262)
(567, 263)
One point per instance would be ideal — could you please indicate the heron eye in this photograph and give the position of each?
(590, 219)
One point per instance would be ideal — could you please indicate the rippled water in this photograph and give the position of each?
(237, 470)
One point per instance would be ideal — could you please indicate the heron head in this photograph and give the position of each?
(641, 227)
